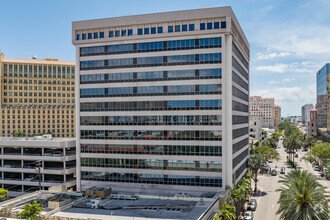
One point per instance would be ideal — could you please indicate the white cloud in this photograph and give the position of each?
(288, 95)
(295, 67)
(267, 56)
(277, 68)
(285, 80)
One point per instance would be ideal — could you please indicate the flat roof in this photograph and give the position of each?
(203, 13)
(38, 61)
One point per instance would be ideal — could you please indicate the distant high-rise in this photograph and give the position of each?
(37, 96)
(322, 92)
(305, 112)
(277, 110)
(263, 107)
(162, 101)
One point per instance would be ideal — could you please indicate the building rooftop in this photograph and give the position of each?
(36, 61)
(116, 206)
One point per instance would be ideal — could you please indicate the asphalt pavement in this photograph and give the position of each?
(267, 199)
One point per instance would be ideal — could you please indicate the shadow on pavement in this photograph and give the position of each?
(261, 194)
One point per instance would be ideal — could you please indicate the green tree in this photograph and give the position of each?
(30, 211)
(236, 196)
(17, 133)
(225, 213)
(302, 197)
(3, 194)
(268, 153)
(322, 151)
(256, 164)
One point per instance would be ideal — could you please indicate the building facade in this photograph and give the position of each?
(305, 112)
(263, 107)
(162, 101)
(277, 110)
(256, 131)
(322, 92)
(37, 97)
(20, 158)
(312, 123)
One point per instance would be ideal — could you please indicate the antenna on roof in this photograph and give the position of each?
(34, 57)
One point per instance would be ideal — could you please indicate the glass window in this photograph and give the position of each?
(101, 34)
(177, 28)
(130, 32)
(202, 26)
(170, 29)
(146, 30)
(184, 27)
(160, 30)
(78, 37)
(110, 33)
(90, 36)
(209, 25)
(216, 25)
(117, 34)
(223, 24)
(123, 33)
(96, 35)
(84, 36)
(140, 31)
(191, 27)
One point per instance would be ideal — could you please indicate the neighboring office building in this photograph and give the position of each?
(277, 110)
(20, 156)
(37, 96)
(159, 109)
(322, 92)
(305, 112)
(263, 107)
(312, 123)
(256, 131)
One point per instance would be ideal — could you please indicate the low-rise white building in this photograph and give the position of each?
(23, 158)
(256, 131)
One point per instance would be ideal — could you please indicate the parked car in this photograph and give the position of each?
(304, 150)
(317, 168)
(248, 215)
(254, 201)
(270, 161)
(273, 173)
(252, 206)
(282, 170)
(296, 155)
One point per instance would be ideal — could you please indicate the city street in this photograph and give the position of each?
(267, 201)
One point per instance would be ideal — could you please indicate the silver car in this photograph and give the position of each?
(251, 206)
(248, 215)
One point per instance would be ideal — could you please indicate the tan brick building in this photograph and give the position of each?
(263, 107)
(277, 110)
(37, 97)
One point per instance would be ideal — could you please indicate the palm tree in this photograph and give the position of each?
(226, 213)
(302, 197)
(30, 211)
(236, 196)
(256, 164)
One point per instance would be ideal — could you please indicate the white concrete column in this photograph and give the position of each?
(227, 131)
(77, 88)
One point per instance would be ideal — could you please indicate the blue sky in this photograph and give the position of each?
(289, 40)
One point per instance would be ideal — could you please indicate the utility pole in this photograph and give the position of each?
(39, 164)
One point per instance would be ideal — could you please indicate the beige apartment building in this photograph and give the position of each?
(37, 97)
(265, 108)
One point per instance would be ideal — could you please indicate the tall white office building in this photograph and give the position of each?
(162, 101)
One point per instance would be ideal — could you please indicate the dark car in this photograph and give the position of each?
(296, 156)
(273, 173)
